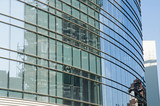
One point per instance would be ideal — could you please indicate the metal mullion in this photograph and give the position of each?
(36, 51)
(23, 64)
(48, 55)
(9, 48)
(55, 50)
(81, 72)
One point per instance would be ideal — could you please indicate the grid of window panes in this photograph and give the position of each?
(42, 62)
(70, 51)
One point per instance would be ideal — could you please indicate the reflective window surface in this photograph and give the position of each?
(73, 52)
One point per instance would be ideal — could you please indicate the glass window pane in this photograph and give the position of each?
(52, 100)
(67, 79)
(77, 104)
(84, 17)
(16, 56)
(42, 98)
(59, 101)
(43, 6)
(59, 25)
(85, 90)
(67, 9)
(3, 93)
(75, 3)
(15, 94)
(30, 27)
(83, 8)
(76, 88)
(84, 60)
(67, 102)
(66, 29)
(68, 1)
(42, 21)
(29, 78)
(75, 13)
(92, 63)
(15, 75)
(52, 65)
(4, 41)
(52, 49)
(93, 92)
(52, 83)
(29, 97)
(30, 43)
(58, 4)
(17, 39)
(42, 81)
(59, 51)
(98, 66)
(51, 2)
(42, 46)
(4, 73)
(76, 57)
(91, 21)
(30, 14)
(42, 18)
(59, 67)
(43, 62)
(5, 7)
(52, 23)
(91, 12)
(67, 54)
(30, 59)
(67, 91)
(17, 9)
(59, 84)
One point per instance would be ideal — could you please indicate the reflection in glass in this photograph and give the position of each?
(15, 75)
(4, 73)
(42, 81)
(29, 78)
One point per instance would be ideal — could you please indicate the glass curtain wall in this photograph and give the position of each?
(50, 49)
(73, 52)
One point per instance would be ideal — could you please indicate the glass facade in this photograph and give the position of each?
(73, 52)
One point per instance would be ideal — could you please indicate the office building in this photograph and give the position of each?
(151, 74)
(72, 52)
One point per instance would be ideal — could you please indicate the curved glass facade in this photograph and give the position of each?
(73, 52)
